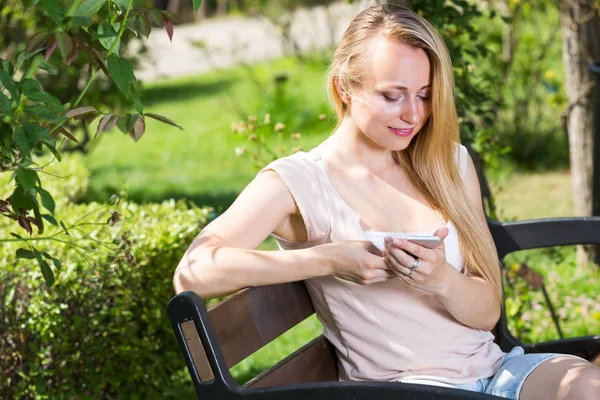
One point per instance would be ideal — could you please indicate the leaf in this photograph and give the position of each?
(169, 28)
(29, 86)
(27, 178)
(38, 221)
(73, 55)
(47, 200)
(106, 123)
(170, 16)
(137, 104)
(51, 147)
(89, 7)
(46, 98)
(7, 67)
(81, 20)
(50, 219)
(26, 254)
(48, 68)
(22, 141)
(62, 224)
(126, 122)
(10, 85)
(156, 17)
(121, 72)
(145, 25)
(108, 35)
(197, 4)
(36, 42)
(138, 128)
(50, 47)
(47, 272)
(65, 133)
(78, 112)
(19, 199)
(5, 106)
(56, 263)
(54, 9)
(162, 119)
(42, 112)
(65, 44)
(29, 3)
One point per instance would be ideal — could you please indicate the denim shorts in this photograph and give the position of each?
(508, 381)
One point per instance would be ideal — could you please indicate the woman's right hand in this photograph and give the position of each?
(356, 261)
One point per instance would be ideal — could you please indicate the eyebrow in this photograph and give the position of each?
(405, 88)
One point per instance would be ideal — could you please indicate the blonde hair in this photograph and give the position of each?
(429, 160)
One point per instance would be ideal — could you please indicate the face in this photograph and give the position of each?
(393, 103)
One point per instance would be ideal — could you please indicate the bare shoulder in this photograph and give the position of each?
(260, 208)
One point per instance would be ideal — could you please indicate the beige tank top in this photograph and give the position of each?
(386, 331)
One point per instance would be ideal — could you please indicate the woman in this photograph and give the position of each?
(393, 165)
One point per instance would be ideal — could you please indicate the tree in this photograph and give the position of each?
(580, 23)
(33, 118)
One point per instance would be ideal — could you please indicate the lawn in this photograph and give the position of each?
(199, 164)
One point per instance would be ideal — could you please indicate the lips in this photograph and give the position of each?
(402, 132)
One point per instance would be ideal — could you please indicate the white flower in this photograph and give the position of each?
(240, 150)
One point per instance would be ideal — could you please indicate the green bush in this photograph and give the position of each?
(102, 330)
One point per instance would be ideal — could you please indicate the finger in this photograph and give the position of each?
(417, 251)
(391, 275)
(398, 266)
(443, 233)
(401, 256)
(370, 247)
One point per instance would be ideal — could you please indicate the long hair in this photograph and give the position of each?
(429, 160)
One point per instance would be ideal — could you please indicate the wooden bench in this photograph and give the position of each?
(215, 340)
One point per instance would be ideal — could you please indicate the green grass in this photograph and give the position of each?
(197, 163)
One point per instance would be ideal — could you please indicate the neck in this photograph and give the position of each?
(351, 147)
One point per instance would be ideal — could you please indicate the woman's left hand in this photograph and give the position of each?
(418, 266)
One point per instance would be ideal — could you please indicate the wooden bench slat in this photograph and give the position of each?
(254, 317)
(314, 362)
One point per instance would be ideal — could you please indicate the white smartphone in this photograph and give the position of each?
(426, 241)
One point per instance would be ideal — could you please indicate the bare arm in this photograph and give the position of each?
(469, 299)
(222, 259)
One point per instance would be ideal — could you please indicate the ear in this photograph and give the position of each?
(343, 94)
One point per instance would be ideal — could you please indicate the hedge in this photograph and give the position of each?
(102, 330)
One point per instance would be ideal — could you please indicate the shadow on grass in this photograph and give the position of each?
(178, 91)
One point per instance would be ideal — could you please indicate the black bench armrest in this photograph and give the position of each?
(539, 233)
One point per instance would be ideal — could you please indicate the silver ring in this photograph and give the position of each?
(414, 267)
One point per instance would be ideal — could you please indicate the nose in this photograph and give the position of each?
(410, 112)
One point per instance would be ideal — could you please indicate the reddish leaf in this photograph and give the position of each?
(76, 113)
(36, 42)
(25, 225)
(66, 133)
(50, 47)
(162, 119)
(169, 28)
(99, 60)
(107, 123)
(35, 222)
(139, 127)
(73, 55)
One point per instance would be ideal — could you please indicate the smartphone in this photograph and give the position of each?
(426, 241)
